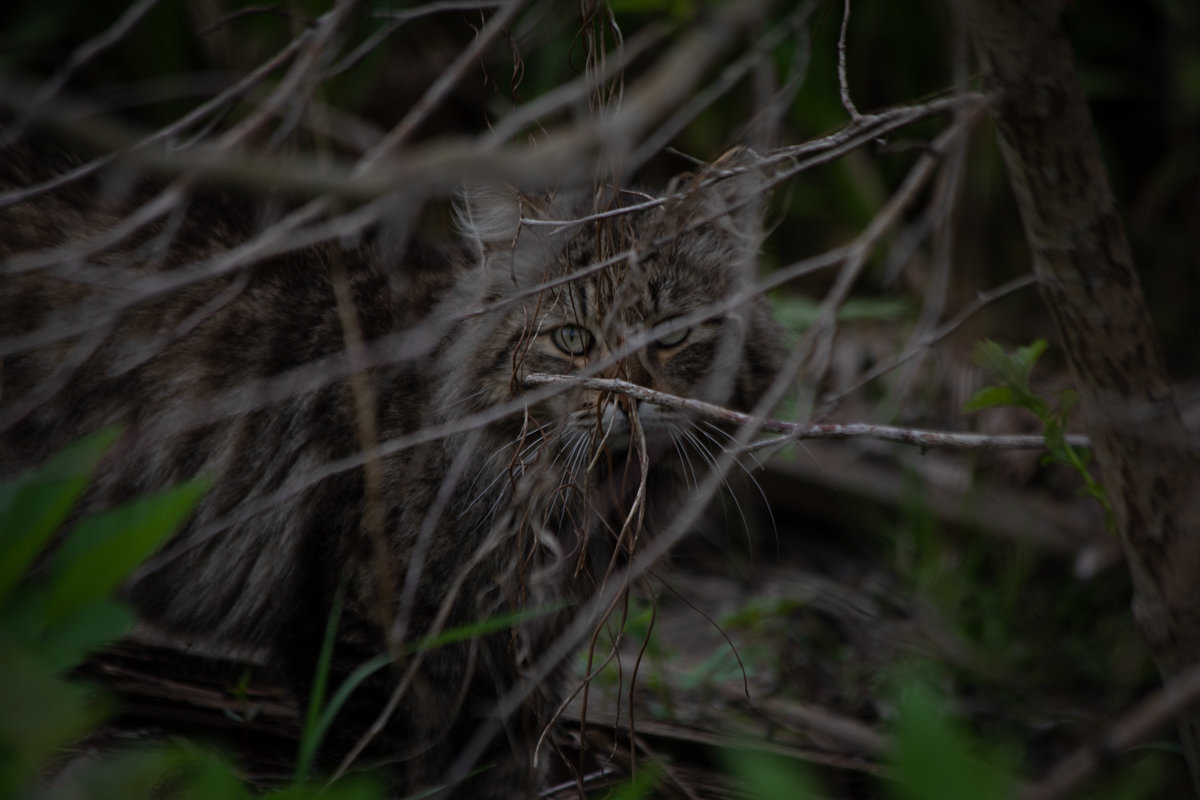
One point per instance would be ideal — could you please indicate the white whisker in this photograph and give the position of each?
(712, 464)
(749, 475)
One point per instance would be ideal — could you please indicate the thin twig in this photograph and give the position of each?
(572, 91)
(298, 82)
(80, 56)
(818, 342)
(981, 301)
(262, 9)
(441, 87)
(925, 439)
(843, 83)
(1135, 726)
(728, 78)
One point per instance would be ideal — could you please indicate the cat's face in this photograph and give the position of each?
(643, 296)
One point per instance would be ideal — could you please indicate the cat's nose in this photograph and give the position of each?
(615, 420)
(617, 410)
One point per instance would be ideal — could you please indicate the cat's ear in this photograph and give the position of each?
(716, 213)
(726, 197)
(490, 215)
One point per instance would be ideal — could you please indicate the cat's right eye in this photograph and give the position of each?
(572, 339)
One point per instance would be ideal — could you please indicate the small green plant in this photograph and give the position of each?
(320, 716)
(640, 786)
(1013, 371)
(933, 758)
(53, 617)
(766, 776)
(51, 621)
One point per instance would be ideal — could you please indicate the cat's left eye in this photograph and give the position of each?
(572, 339)
(672, 338)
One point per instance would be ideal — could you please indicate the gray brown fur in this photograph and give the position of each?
(507, 515)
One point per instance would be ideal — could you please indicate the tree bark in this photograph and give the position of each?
(1085, 270)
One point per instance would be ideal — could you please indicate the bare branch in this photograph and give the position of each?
(843, 83)
(79, 57)
(441, 87)
(923, 439)
(1178, 696)
(818, 342)
(724, 82)
(918, 345)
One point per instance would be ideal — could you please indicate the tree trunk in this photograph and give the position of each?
(1086, 274)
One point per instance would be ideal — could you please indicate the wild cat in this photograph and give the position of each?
(364, 414)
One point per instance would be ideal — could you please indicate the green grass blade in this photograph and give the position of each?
(314, 736)
(499, 622)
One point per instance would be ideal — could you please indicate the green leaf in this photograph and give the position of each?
(1027, 356)
(212, 778)
(1012, 369)
(991, 356)
(41, 714)
(771, 777)
(33, 506)
(1056, 441)
(105, 548)
(1067, 400)
(65, 645)
(639, 786)
(932, 758)
(131, 774)
(990, 397)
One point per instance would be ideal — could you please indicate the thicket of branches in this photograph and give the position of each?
(892, 249)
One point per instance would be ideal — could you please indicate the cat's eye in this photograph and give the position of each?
(672, 338)
(572, 339)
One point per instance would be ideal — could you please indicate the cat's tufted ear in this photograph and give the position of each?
(489, 216)
(726, 197)
(717, 211)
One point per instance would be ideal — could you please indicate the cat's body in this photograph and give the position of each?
(478, 505)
